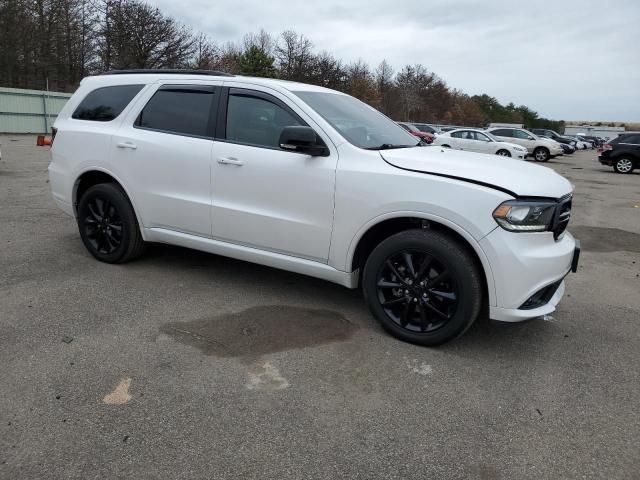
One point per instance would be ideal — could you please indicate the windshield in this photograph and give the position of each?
(492, 136)
(360, 124)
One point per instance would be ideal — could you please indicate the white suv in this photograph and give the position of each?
(542, 149)
(313, 181)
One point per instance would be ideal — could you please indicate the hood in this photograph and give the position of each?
(520, 148)
(515, 177)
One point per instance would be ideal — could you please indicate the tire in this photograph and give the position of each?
(435, 300)
(503, 153)
(108, 225)
(541, 154)
(623, 165)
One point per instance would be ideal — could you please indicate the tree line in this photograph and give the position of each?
(55, 43)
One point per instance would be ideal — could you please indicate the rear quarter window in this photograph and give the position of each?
(106, 103)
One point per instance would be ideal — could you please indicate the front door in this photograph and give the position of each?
(263, 196)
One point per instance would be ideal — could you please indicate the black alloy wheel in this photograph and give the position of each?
(108, 225)
(423, 286)
(103, 225)
(416, 291)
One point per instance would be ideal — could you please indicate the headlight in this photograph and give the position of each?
(525, 216)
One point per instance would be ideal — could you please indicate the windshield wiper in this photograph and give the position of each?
(389, 146)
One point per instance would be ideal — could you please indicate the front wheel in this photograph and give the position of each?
(623, 165)
(503, 153)
(422, 286)
(541, 154)
(108, 225)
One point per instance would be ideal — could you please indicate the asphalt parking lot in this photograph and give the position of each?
(189, 365)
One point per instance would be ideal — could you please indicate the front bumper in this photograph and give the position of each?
(605, 160)
(524, 264)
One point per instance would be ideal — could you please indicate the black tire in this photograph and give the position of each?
(425, 318)
(108, 225)
(623, 165)
(503, 153)
(541, 154)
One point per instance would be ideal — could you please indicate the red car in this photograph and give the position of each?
(413, 130)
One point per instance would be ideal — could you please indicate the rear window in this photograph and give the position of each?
(628, 138)
(106, 103)
(182, 110)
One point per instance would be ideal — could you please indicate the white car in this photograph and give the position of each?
(313, 181)
(474, 140)
(581, 144)
(541, 149)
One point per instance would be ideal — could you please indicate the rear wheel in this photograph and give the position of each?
(623, 165)
(541, 154)
(503, 153)
(108, 225)
(422, 286)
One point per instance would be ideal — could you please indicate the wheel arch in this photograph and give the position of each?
(384, 226)
(94, 176)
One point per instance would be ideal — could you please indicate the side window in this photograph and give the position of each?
(257, 121)
(106, 103)
(457, 134)
(503, 132)
(522, 134)
(179, 109)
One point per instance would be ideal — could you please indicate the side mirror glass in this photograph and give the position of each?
(304, 140)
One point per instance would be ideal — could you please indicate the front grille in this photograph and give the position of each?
(562, 216)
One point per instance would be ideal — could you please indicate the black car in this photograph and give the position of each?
(622, 153)
(553, 135)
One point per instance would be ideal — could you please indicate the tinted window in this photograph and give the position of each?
(178, 109)
(503, 132)
(257, 121)
(106, 103)
(521, 134)
(634, 139)
(456, 134)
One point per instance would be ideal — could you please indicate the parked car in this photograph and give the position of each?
(568, 149)
(580, 143)
(474, 140)
(426, 137)
(248, 168)
(590, 138)
(425, 127)
(542, 149)
(553, 135)
(622, 153)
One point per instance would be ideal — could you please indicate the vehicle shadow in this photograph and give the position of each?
(484, 336)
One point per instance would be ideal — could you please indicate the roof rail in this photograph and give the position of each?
(214, 73)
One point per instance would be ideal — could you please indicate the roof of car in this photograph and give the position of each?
(148, 76)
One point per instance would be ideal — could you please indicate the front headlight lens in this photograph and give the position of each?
(525, 216)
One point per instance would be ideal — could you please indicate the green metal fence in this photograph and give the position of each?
(29, 111)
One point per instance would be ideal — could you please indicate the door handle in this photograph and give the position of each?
(130, 145)
(230, 161)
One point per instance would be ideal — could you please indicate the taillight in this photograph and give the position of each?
(54, 130)
(607, 146)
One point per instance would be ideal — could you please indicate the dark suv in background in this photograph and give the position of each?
(622, 153)
(553, 135)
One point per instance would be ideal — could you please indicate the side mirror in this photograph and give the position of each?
(302, 140)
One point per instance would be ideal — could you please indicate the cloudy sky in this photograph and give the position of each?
(566, 59)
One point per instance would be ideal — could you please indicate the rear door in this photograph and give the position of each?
(164, 149)
(263, 196)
